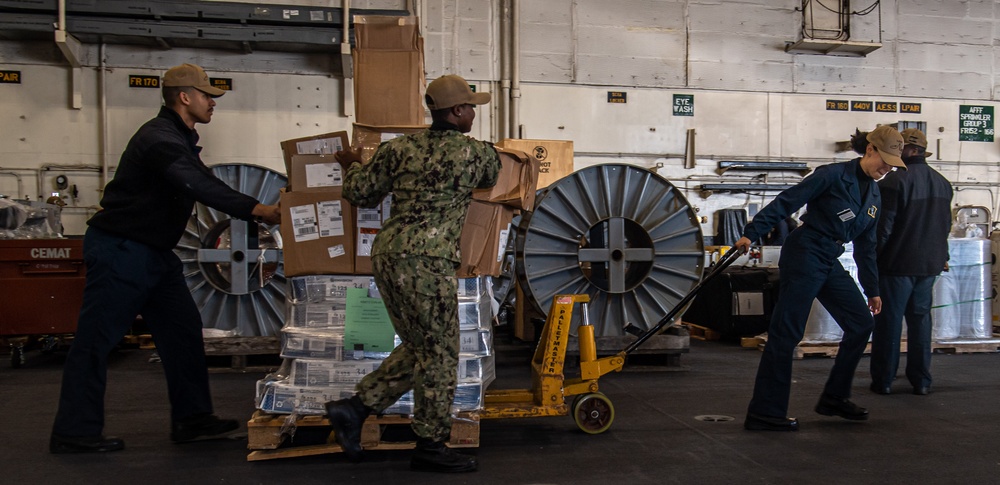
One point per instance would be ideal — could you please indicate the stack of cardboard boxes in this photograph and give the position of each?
(336, 329)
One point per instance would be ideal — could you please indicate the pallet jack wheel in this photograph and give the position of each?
(593, 413)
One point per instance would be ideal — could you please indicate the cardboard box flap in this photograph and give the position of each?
(517, 182)
(366, 138)
(327, 143)
(381, 32)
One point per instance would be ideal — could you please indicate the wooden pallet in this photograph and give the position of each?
(239, 354)
(965, 346)
(702, 333)
(272, 436)
(817, 349)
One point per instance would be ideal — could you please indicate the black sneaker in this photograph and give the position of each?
(84, 444)
(202, 427)
(346, 417)
(434, 456)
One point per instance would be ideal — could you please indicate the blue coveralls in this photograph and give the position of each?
(809, 269)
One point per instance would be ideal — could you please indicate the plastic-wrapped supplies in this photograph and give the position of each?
(962, 296)
(821, 327)
(319, 368)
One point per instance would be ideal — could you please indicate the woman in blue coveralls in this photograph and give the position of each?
(842, 203)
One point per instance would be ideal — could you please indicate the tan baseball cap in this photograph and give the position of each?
(190, 76)
(451, 90)
(913, 136)
(889, 143)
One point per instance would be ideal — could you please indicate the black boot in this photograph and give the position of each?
(434, 456)
(346, 416)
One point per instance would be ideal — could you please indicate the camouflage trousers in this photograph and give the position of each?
(421, 295)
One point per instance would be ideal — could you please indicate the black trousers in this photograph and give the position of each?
(910, 297)
(125, 279)
(809, 270)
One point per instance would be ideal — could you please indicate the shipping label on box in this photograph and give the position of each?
(325, 144)
(315, 173)
(317, 237)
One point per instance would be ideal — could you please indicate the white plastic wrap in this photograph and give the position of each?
(962, 296)
(821, 327)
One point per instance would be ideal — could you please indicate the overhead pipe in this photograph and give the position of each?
(515, 69)
(102, 82)
(503, 103)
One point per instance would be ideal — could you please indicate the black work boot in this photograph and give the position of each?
(202, 427)
(346, 416)
(434, 456)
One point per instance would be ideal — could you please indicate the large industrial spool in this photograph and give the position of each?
(622, 235)
(231, 266)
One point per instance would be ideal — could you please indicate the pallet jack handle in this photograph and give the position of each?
(731, 256)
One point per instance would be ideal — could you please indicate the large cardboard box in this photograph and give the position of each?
(367, 138)
(555, 157)
(316, 233)
(517, 182)
(325, 144)
(484, 239)
(388, 70)
(315, 173)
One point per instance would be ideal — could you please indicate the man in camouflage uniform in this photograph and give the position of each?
(431, 176)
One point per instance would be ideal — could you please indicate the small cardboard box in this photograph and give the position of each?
(484, 239)
(315, 173)
(369, 223)
(325, 144)
(554, 156)
(316, 232)
(517, 182)
(367, 138)
(388, 70)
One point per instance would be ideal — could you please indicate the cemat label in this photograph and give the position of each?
(50, 253)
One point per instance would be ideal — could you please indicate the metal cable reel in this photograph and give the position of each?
(232, 266)
(619, 233)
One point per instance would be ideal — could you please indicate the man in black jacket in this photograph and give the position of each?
(132, 270)
(912, 251)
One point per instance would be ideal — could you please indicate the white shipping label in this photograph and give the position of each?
(324, 146)
(370, 218)
(324, 175)
(366, 237)
(331, 219)
(386, 204)
(389, 136)
(335, 251)
(504, 234)
(304, 223)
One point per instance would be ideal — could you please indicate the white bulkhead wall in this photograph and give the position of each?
(752, 100)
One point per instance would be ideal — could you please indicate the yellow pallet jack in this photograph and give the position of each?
(591, 410)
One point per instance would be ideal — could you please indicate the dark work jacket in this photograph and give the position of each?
(835, 211)
(159, 178)
(916, 219)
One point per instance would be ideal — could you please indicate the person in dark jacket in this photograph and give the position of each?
(912, 252)
(132, 270)
(842, 204)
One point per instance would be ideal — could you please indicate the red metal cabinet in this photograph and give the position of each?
(41, 286)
